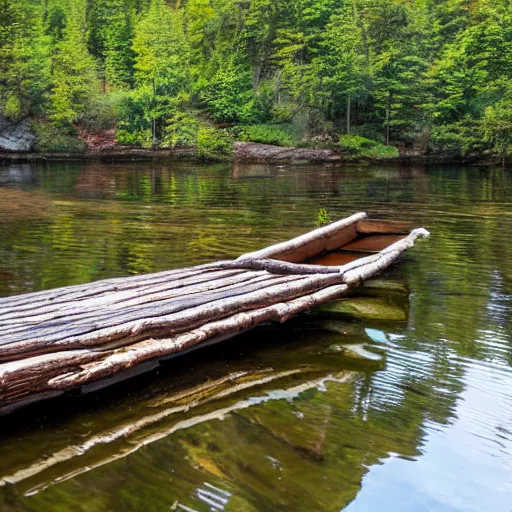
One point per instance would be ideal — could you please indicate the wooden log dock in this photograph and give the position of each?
(93, 335)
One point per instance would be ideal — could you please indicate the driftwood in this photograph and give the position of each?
(57, 340)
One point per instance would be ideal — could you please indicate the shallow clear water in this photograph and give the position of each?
(411, 411)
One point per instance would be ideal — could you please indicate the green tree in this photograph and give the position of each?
(497, 125)
(24, 59)
(396, 33)
(162, 68)
(110, 39)
(341, 67)
(74, 71)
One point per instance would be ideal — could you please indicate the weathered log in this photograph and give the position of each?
(70, 337)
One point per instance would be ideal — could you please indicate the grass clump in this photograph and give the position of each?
(356, 145)
(274, 134)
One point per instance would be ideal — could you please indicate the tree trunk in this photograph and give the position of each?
(348, 114)
(388, 120)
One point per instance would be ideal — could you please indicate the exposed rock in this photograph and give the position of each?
(113, 154)
(251, 152)
(15, 135)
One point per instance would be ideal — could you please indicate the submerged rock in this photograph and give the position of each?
(15, 135)
(333, 349)
(383, 287)
(370, 308)
(353, 350)
(239, 504)
(335, 327)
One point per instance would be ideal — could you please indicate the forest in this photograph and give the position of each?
(371, 77)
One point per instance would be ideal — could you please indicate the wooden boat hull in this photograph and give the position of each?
(92, 335)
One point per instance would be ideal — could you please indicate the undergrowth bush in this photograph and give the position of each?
(275, 134)
(360, 146)
(53, 139)
(457, 139)
(181, 129)
(213, 143)
(136, 138)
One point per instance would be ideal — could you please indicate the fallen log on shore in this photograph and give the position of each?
(94, 334)
(255, 152)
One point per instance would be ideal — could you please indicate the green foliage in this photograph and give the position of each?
(228, 95)
(24, 59)
(104, 111)
(322, 217)
(213, 144)
(461, 138)
(497, 125)
(137, 138)
(110, 39)
(356, 145)
(74, 81)
(388, 70)
(181, 129)
(53, 139)
(278, 135)
(162, 71)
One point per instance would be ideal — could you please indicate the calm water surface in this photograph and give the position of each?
(409, 412)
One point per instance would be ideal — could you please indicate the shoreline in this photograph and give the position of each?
(243, 152)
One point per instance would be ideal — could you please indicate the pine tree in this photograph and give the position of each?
(74, 72)
(24, 59)
(497, 124)
(110, 39)
(397, 47)
(162, 65)
(342, 66)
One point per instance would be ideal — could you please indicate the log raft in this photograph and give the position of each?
(93, 335)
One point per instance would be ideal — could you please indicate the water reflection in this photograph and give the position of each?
(297, 418)
(15, 175)
(283, 374)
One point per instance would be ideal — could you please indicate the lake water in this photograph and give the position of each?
(409, 412)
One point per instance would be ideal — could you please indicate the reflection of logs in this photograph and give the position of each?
(67, 462)
(62, 339)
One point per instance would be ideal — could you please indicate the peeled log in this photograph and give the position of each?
(63, 339)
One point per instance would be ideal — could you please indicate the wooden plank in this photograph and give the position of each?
(372, 244)
(369, 227)
(301, 248)
(335, 259)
